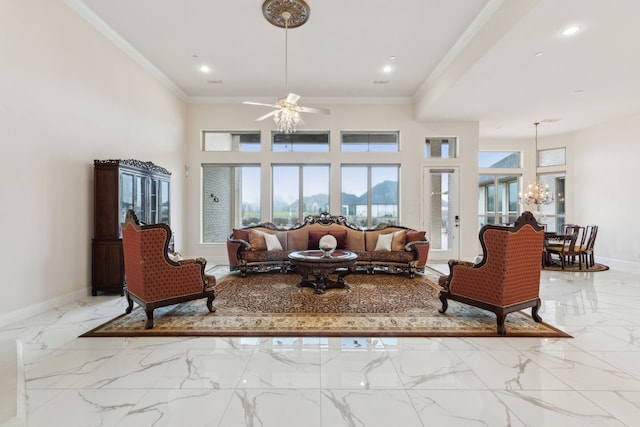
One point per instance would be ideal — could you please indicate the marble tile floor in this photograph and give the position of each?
(592, 379)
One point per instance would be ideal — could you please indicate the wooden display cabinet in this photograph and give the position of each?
(120, 185)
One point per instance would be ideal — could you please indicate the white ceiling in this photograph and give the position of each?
(455, 59)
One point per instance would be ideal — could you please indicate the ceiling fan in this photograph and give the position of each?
(285, 14)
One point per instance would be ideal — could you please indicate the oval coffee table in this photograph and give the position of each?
(316, 264)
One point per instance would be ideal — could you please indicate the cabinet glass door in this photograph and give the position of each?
(140, 196)
(153, 202)
(163, 201)
(126, 194)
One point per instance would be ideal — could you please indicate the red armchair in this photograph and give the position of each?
(153, 280)
(508, 277)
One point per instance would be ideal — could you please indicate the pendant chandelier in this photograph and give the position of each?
(536, 193)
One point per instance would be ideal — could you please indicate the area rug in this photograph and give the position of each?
(375, 305)
(556, 266)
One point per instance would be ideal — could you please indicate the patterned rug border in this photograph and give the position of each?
(352, 325)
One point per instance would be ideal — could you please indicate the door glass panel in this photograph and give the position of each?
(441, 236)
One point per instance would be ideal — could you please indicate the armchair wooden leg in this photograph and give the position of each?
(534, 311)
(210, 306)
(130, 302)
(445, 304)
(149, 324)
(500, 318)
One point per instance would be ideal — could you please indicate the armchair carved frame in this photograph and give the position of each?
(508, 277)
(154, 280)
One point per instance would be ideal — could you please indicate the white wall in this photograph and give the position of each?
(68, 96)
(342, 117)
(605, 187)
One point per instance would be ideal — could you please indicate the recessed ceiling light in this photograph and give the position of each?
(393, 57)
(387, 68)
(570, 30)
(539, 53)
(205, 69)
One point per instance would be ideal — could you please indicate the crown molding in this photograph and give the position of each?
(88, 15)
(307, 100)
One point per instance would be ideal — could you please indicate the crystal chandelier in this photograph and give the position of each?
(286, 119)
(537, 193)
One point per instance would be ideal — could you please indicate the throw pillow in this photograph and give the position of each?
(256, 240)
(314, 239)
(397, 242)
(416, 236)
(273, 244)
(384, 242)
(341, 237)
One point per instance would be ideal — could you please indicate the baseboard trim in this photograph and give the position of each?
(616, 264)
(41, 307)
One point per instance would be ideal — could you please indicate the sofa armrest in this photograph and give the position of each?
(233, 250)
(422, 249)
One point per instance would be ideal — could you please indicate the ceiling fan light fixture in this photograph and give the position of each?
(286, 14)
(286, 120)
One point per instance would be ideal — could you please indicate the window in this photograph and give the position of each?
(441, 148)
(230, 140)
(497, 199)
(552, 157)
(499, 159)
(299, 191)
(369, 141)
(553, 215)
(230, 199)
(308, 141)
(370, 194)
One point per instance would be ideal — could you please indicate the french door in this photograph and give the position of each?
(441, 216)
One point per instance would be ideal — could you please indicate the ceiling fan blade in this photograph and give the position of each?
(261, 104)
(292, 98)
(266, 116)
(314, 110)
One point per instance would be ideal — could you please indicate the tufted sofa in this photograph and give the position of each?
(265, 247)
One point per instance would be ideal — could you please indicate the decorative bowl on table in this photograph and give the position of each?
(327, 245)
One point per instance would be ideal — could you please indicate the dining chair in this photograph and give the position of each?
(586, 250)
(568, 245)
